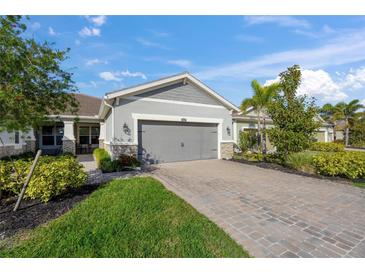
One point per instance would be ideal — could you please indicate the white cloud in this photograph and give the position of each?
(180, 63)
(90, 84)
(127, 73)
(283, 21)
(119, 75)
(35, 26)
(150, 44)
(345, 48)
(318, 84)
(249, 38)
(95, 61)
(97, 20)
(52, 32)
(89, 32)
(109, 76)
(355, 79)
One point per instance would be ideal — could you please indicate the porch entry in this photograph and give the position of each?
(87, 138)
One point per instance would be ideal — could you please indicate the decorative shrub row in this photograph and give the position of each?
(106, 164)
(52, 176)
(328, 147)
(350, 164)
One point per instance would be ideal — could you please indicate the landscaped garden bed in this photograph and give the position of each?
(136, 217)
(34, 212)
(323, 160)
(107, 165)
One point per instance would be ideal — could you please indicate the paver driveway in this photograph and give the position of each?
(271, 213)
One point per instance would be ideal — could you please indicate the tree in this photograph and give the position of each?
(32, 82)
(331, 114)
(349, 112)
(262, 96)
(357, 136)
(292, 115)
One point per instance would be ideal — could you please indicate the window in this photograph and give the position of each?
(95, 131)
(89, 135)
(52, 135)
(16, 137)
(84, 135)
(47, 136)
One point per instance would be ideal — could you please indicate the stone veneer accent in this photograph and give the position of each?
(69, 146)
(227, 150)
(117, 150)
(11, 150)
(30, 145)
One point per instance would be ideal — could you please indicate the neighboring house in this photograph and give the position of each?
(248, 121)
(62, 133)
(176, 118)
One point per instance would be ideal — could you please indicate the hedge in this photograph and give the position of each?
(350, 164)
(52, 176)
(100, 154)
(328, 147)
(106, 164)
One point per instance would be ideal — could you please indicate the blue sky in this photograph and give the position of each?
(225, 52)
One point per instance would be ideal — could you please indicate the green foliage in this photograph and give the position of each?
(128, 161)
(52, 176)
(100, 154)
(357, 134)
(262, 97)
(133, 218)
(350, 164)
(329, 147)
(107, 165)
(249, 156)
(302, 161)
(33, 83)
(247, 140)
(292, 115)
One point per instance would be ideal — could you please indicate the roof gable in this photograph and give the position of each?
(184, 78)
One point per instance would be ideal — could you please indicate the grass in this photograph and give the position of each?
(359, 183)
(136, 217)
(302, 161)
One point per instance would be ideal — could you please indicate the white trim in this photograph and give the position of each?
(96, 117)
(227, 141)
(134, 98)
(181, 77)
(173, 118)
(234, 129)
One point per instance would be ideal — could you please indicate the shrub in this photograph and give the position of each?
(128, 161)
(329, 147)
(358, 143)
(100, 154)
(350, 164)
(302, 161)
(247, 140)
(52, 176)
(339, 141)
(107, 165)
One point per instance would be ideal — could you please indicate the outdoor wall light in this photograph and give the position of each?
(228, 131)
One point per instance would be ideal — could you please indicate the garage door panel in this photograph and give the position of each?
(161, 142)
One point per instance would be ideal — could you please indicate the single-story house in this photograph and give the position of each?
(176, 118)
(248, 121)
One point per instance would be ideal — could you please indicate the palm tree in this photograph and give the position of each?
(331, 114)
(262, 96)
(349, 112)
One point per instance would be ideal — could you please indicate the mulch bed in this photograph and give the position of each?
(292, 171)
(33, 213)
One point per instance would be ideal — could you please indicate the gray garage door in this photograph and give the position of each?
(161, 142)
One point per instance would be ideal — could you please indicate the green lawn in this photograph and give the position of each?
(136, 217)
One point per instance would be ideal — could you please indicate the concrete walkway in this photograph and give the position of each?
(95, 176)
(271, 213)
